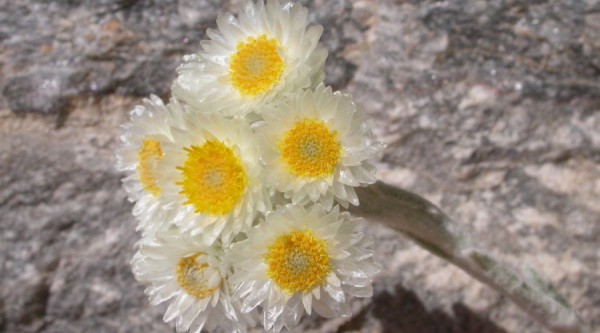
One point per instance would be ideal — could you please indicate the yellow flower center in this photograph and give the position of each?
(214, 178)
(194, 276)
(310, 149)
(298, 261)
(148, 155)
(256, 65)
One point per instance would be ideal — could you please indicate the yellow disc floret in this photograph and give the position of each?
(298, 261)
(148, 155)
(310, 149)
(256, 65)
(194, 276)
(213, 178)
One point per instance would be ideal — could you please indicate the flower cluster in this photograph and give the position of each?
(238, 180)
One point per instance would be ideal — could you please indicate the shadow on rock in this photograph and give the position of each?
(404, 312)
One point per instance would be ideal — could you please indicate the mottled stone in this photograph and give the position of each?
(491, 109)
(53, 51)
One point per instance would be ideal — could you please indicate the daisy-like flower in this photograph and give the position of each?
(266, 51)
(138, 156)
(177, 267)
(212, 176)
(302, 259)
(316, 147)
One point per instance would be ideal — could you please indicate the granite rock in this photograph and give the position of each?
(490, 109)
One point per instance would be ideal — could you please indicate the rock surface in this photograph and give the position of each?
(491, 109)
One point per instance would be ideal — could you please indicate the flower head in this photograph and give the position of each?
(139, 156)
(316, 147)
(213, 179)
(266, 51)
(236, 180)
(302, 259)
(177, 267)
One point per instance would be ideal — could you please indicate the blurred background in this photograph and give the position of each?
(490, 109)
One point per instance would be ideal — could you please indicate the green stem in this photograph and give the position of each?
(428, 226)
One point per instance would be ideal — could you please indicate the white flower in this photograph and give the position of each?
(139, 155)
(212, 176)
(302, 259)
(316, 147)
(266, 51)
(193, 277)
